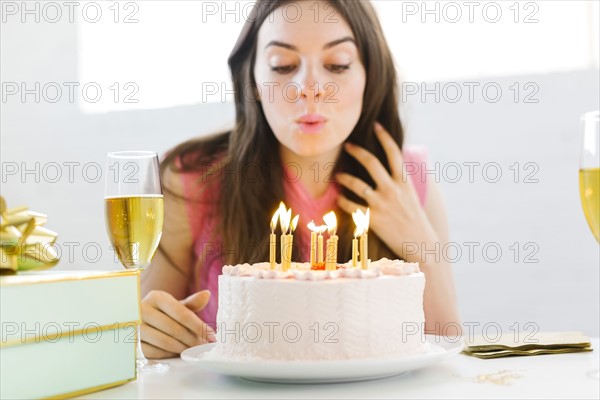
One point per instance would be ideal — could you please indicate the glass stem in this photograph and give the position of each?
(140, 358)
(144, 365)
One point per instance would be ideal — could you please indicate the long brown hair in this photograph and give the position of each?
(244, 206)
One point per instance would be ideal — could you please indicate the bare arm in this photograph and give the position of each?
(176, 244)
(169, 324)
(440, 297)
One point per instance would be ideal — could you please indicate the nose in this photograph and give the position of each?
(313, 92)
(311, 88)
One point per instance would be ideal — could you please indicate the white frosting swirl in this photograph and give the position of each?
(396, 267)
(311, 275)
(302, 271)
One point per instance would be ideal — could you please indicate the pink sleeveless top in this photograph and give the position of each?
(208, 249)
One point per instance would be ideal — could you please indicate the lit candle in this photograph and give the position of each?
(332, 242)
(273, 240)
(290, 243)
(357, 232)
(364, 245)
(320, 244)
(313, 242)
(362, 225)
(284, 221)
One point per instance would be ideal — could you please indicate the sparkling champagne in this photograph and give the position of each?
(589, 189)
(134, 227)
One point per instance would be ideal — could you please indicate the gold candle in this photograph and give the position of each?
(289, 244)
(354, 250)
(283, 240)
(284, 222)
(313, 242)
(273, 240)
(320, 247)
(364, 245)
(288, 253)
(362, 227)
(332, 242)
(313, 247)
(331, 258)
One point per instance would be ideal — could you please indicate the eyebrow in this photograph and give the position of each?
(327, 45)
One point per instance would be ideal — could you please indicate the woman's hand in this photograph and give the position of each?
(398, 219)
(169, 326)
(396, 214)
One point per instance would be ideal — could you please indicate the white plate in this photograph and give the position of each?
(439, 349)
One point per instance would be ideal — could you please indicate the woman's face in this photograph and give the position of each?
(310, 77)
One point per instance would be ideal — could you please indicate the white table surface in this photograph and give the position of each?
(546, 376)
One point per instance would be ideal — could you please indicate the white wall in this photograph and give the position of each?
(559, 292)
(431, 40)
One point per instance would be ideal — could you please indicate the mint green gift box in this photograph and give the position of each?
(67, 333)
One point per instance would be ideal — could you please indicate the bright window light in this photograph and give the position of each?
(157, 54)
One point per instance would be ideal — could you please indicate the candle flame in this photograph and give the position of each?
(316, 228)
(357, 217)
(294, 223)
(284, 217)
(362, 221)
(331, 222)
(288, 219)
(274, 221)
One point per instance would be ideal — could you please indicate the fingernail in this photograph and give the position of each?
(378, 125)
(348, 146)
(212, 338)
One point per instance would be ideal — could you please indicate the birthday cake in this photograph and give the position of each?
(307, 314)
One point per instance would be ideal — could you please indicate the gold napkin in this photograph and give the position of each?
(527, 344)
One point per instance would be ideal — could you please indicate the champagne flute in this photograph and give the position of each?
(134, 218)
(589, 178)
(589, 172)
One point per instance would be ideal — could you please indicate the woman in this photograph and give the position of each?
(317, 126)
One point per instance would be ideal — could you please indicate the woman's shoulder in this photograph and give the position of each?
(415, 164)
(191, 156)
(193, 171)
(195, 162)
(415, 153)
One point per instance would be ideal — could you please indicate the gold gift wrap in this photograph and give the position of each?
(527, 344)
(24, 243)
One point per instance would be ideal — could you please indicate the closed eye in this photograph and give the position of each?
(337, 68)
(286, 69)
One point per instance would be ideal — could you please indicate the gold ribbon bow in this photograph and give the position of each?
(24, 243)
